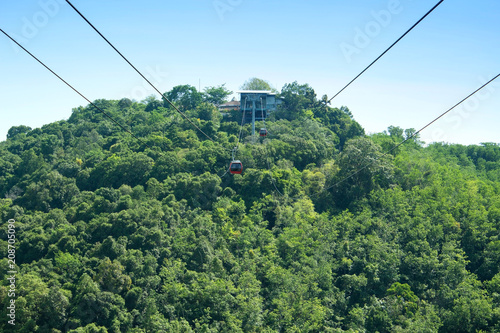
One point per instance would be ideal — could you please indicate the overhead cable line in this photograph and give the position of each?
(235, 149)
(241, 126)
(412, 136)
(124, 58)
(266, 151)
(383, 53)
(75, 90)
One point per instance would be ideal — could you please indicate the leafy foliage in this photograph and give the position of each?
(257, 84)
(326, 230)
(216, 95)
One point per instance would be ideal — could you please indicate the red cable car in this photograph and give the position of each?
(236, 167)
(263, 132)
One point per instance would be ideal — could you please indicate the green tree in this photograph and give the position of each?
(55, 309)
(216, 95)
(16, 130)
(296, 99)
(186, 97)
(363, 168)
(111, 277)
(257, 84)
(153, 105)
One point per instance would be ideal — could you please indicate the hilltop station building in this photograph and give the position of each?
(255, 105)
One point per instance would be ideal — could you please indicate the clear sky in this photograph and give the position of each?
(324, 43)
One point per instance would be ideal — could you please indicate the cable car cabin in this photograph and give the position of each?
(236, 167)
(263, 132)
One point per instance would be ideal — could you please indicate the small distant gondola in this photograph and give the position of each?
(236, 167)
(263, 132)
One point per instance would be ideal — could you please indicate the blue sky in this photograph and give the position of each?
(211, 42)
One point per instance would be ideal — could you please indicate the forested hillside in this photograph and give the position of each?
(120, 235)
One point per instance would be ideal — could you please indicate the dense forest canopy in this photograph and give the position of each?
(323, 232)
